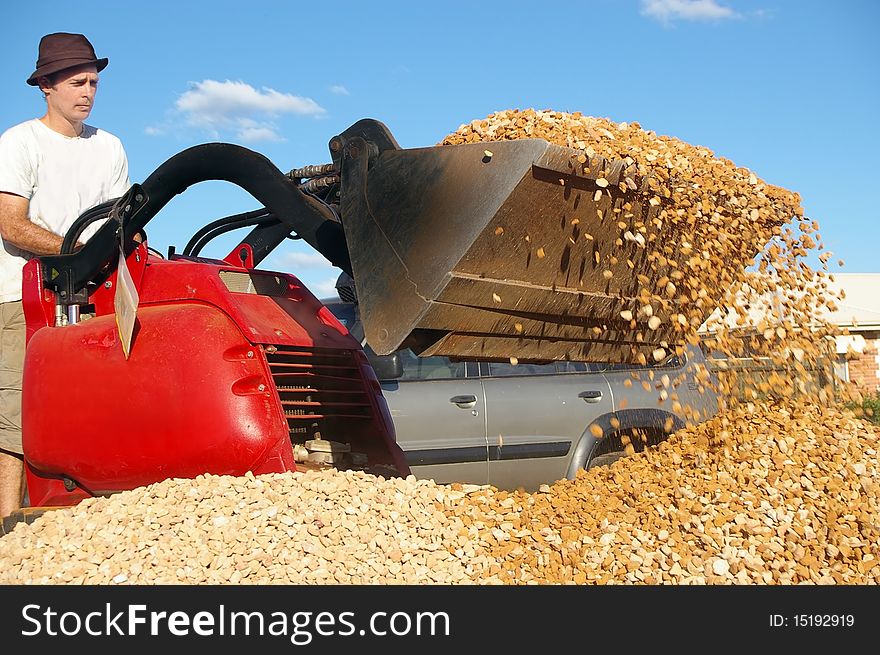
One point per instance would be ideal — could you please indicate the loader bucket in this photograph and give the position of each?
(494, 250)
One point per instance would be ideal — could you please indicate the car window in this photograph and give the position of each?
(506, 369)
(572, 367)
(429, 368)
(670, 362)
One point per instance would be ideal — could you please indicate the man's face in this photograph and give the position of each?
(71, 93)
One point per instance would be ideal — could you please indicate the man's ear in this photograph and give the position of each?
(44, 83)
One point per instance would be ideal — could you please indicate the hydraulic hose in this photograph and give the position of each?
(96, 213)
(240, 220)
(194, 247)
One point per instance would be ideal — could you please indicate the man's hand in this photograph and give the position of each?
(18, 230)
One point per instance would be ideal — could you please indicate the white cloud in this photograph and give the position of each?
(324, 289)
(694, 10)
(249, 131)
(238, 108)
(214, 101)
(339, 90)
(299, 260)
(264, 133)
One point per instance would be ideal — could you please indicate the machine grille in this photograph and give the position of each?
(321, 391)
(347, 294)
(263, 284)
(345, 288)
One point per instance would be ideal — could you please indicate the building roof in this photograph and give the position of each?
(860, 309)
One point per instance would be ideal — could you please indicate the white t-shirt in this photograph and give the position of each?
(62, 177)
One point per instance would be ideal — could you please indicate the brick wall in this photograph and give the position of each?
(864, 369)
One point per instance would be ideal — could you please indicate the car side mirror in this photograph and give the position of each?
(387, 367)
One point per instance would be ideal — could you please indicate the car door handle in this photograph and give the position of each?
(591, 396)
(465, 402)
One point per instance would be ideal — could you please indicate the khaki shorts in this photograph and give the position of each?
(12, 339)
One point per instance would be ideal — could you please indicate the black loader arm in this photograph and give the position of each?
(296, 211)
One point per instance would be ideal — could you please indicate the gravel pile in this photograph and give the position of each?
(324, 528)
(769, 494)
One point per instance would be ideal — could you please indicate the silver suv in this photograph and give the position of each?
(517, 426)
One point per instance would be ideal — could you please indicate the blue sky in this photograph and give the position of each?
(787, 88)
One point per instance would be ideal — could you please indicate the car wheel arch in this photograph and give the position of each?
(627, 419)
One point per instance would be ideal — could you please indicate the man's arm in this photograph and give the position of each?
(17, 229)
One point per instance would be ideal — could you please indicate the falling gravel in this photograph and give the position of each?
(715, 234)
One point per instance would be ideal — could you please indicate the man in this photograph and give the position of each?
(52, 169)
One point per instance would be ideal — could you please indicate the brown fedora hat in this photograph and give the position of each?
(60, 51)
